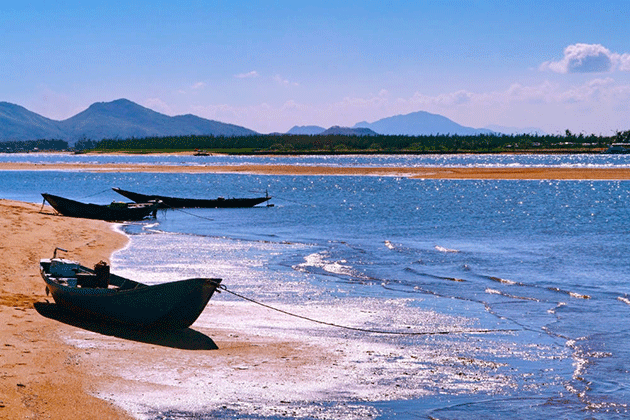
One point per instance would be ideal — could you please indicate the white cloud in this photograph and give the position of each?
(193, 89)
(600, 105)
(284, 82)
(624, 62)
(158, 105)
(292, 106)
(590, 92)
(597, 106)
(250, 75)
(588, 58)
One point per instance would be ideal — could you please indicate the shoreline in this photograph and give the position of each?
(498, 173)
(51, 365)
(239, 356)
(40, 374)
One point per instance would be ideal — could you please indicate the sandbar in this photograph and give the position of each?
(424, 172)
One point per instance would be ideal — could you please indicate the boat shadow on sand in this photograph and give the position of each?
(185, 339)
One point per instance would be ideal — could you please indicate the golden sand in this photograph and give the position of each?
(43, 375)
(39, 375)
(411, 172)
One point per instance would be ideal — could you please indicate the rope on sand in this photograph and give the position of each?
(367, 330)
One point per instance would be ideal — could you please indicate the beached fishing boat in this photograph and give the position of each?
(175, 202)
(112, 212)
(96, 293)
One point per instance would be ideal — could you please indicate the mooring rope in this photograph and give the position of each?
(366, 330)
(100, 192)
(190, 214)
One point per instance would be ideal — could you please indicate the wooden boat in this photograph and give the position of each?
(174, 202)
(96, 293)
(112, 212)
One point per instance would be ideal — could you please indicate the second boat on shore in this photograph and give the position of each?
(175, 202)
(111, 212)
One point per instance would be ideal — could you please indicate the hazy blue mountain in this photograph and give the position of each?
(515, 130)
(419, 124)
(125, 119)
(121, 119)
(201, 126)
(118, 119)
(310, 130)
(348, 131)
(18, 123)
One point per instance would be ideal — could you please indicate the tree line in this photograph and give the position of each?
(33, 146)
(284, 143)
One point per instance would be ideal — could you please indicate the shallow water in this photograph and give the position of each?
(533, 272)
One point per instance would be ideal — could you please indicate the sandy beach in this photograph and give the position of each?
(40, 376)
(538, 173)
(49, 364)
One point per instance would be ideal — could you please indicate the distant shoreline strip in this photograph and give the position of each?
(524, 173)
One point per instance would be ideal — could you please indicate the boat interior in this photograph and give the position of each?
(71, 274)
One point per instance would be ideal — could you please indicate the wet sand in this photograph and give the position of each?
(57, 367)
(556, 173)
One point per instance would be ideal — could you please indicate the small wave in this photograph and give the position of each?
(319, 260)
(504, 281)
(442, 249)
(313, 260)
(624, 300)
(434, 276)
(572, 294)
(498, 292)
(389, 245)
(553, 310)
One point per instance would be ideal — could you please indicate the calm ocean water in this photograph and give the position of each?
(535, 273)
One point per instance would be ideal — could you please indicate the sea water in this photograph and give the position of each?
(486, 298)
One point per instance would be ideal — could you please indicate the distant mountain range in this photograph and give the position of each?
(347, 131)
(515, 130)
(309, 130)
(419, 123)
(122, 119)
(108, 120)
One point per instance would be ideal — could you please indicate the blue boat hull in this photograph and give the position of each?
(172, 305)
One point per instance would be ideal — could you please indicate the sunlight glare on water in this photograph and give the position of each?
(529, 277)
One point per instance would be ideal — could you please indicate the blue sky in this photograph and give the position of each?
(554, 65)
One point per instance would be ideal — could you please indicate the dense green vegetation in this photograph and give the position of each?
(287, 144)
(33, 146)
(284, 144)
